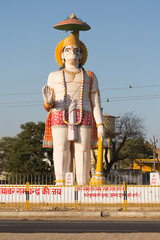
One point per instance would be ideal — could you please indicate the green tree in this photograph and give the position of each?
(27, 153)
(6, 147)
(133, 149)
(128, 127)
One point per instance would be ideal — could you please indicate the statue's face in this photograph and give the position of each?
(72, 55)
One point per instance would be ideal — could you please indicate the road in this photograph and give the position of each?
(51, 226)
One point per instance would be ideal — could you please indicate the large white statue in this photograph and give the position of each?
(72, 98)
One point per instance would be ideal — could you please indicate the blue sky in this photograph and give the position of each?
(123, 50)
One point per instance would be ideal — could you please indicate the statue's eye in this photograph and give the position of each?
(76, 50)
(67, 50)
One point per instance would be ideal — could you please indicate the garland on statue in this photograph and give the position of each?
(81, 99)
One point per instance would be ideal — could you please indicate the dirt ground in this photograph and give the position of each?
(80, 236)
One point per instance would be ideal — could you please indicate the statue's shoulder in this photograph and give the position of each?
(90, 74)
(55, 76)
(55, 73)
(93, 80)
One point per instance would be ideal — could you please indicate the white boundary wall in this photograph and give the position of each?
(104, 194)
(37, 194)
(143, 194)
(86, 194)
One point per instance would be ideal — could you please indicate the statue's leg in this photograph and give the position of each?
(83, 155)
(61, 153)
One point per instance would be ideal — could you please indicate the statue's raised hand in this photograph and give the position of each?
(47, 95)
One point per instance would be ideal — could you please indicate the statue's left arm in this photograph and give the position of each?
(96, 105)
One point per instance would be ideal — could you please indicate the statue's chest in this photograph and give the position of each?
(72, 86)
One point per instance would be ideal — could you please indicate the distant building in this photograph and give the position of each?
(146, 165)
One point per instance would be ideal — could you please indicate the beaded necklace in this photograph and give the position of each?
(81, 99)
(73, 74)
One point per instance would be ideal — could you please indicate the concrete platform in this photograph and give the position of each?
(79, 214)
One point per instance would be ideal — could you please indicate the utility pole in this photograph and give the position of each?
(154, 152)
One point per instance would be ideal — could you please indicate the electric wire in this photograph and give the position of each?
(30, 105)
(103, 99)
(108, 100)
(131, 99)
(103, 89)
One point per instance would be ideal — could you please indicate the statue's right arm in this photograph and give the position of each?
(48, 93)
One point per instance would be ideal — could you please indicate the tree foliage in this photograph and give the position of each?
(6, 145)
(134, 149)
(27, 154)
(129, 142)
